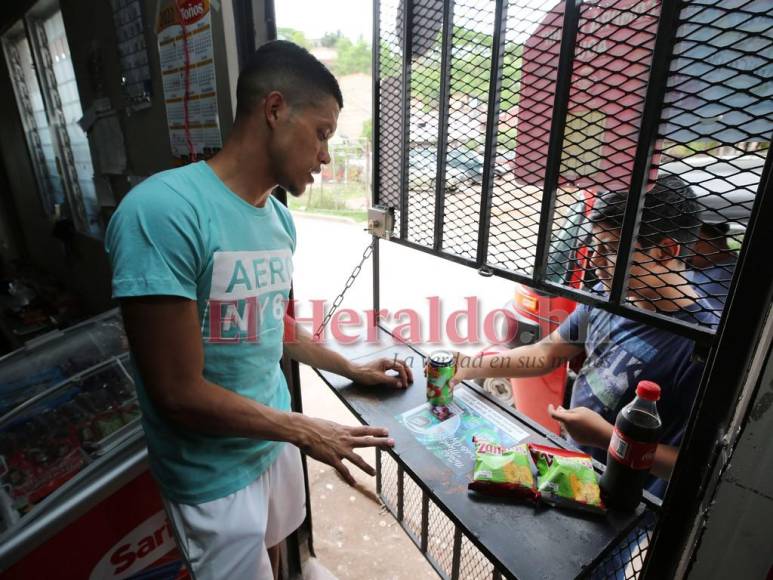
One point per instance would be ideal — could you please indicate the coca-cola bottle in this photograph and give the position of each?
(632, 449)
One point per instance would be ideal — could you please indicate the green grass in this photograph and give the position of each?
(353, 214)
(332, 200)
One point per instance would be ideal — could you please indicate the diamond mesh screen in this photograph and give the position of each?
(424, 119)
(626, 559)
(613, 53)
(468, 88)
(575, 107)
(450, 552)
(714, 134)
(390, 127)
(531, 53)
(474, 565)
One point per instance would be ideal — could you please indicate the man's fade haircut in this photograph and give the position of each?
(670, 211)
(282, 66)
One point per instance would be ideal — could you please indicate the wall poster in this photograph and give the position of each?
(186, 56)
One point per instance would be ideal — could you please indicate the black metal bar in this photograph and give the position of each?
(751, 294)
(648, 134)
(376, 279)
(424, 522)
(376, 121)
(406, 120)
(291, 370)
(556, 142)
(400, 492)
(376, 172)
(702, 336)
(270, 13)
(443, 106)
(456, 558)
(378, 471)
(432, 252)
(492, 118)
(245, 30)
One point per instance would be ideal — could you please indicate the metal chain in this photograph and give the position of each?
(340, 298)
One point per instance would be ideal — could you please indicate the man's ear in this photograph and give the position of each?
(667, 249)
(274, 108)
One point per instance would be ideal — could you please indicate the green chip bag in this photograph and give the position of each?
(566, 478)
(503, 471)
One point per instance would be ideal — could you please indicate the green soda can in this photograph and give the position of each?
(440, 371)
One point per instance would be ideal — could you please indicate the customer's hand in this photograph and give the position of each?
(461, 363)
(586, 427)
(331, 443)
(375, 373)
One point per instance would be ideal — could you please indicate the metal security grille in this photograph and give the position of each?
(609, 151)
(626, 560)
(450, 552)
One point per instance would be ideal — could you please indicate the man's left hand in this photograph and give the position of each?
(375, 373)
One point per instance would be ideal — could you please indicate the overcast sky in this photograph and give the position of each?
(354, 17)
(315, 17)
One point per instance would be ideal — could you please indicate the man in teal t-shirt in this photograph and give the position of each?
(202, 264)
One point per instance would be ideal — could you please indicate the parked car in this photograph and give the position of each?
(464, 167)
(725, 189)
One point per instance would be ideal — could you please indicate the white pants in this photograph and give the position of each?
(228, 538)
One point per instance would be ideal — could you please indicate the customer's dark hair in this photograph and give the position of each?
(670, 211)
(282, 66)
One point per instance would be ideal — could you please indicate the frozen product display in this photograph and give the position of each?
(53, 358)
(51, 439)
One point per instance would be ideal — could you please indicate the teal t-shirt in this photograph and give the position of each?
(184, 233)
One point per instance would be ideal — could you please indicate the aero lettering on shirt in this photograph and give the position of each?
(247, 295)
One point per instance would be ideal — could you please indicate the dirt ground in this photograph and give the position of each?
(355, 537)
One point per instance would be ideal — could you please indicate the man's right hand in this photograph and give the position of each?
(331, 443)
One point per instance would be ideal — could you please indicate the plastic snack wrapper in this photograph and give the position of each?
(503, 471)
(567, 479)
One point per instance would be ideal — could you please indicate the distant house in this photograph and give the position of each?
(324, 54)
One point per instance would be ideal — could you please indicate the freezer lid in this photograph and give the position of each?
(53, 440)
(53, 357)
(97, 482)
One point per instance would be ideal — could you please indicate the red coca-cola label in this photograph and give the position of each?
(631, 453)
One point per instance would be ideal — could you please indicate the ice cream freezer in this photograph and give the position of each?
(76, 496)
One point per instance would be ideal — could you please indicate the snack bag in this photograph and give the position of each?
(503, 471)
(566, 478)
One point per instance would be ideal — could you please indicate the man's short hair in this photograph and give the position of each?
(670, 211)
(282, 66)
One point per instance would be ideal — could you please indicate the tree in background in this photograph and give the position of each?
(470, 72)
(295, 36)
(353, 57)
(330, 39)
(470, 66)
(367, 129)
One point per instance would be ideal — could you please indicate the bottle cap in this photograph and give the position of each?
(648, 391)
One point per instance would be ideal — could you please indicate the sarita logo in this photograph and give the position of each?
(137, 550)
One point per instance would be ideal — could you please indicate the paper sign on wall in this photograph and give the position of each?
(186, 56)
